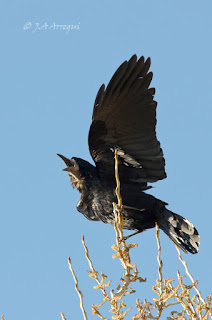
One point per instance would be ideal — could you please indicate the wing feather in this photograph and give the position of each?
(124, 118)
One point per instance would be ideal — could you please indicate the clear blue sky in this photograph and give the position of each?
(49, 79)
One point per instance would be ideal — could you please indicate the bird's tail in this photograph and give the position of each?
(180, 230)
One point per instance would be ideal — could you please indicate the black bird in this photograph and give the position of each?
(124, 118)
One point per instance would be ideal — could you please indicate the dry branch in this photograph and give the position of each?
(167, 294)
(77, 289)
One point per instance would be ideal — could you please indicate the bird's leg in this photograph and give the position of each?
(133, 234)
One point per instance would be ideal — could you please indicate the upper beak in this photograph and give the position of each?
(66, 160)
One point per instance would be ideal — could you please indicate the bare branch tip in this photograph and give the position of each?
(62, 315)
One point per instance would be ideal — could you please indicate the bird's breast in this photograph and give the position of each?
(102, 204)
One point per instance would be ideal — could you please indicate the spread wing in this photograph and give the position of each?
(124, 118)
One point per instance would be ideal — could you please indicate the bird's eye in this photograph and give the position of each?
(73, 164)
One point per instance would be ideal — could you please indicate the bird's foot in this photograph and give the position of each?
(133, 234)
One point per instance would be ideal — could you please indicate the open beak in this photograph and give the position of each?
(66, 160)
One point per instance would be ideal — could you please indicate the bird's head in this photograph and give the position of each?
(79, 170)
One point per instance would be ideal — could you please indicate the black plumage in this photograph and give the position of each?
(124, 118)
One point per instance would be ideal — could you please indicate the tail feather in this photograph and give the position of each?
(180, 230)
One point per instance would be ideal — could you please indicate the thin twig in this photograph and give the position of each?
(160, 266)
(95, 310)
(100, 283)
(187, 304)
(122, 253)
(87, 254)
(121, 247)
(77, 289)
(95, 274)
(160, 263)
(118, 194)
(188, 273)
(119, 222)
(62, 315)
